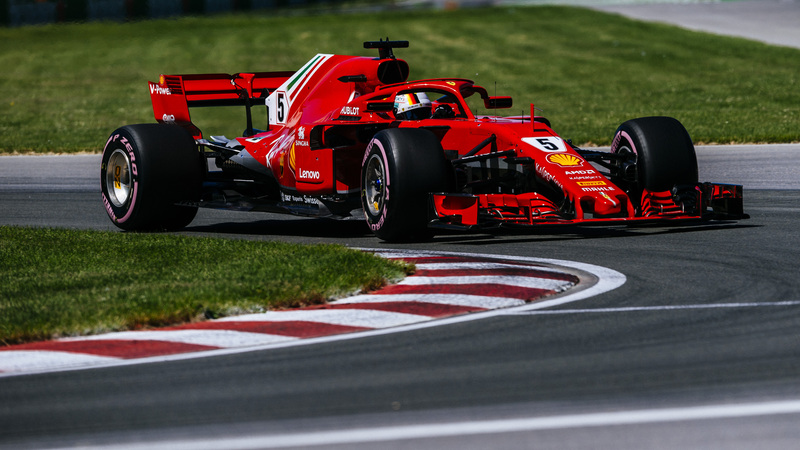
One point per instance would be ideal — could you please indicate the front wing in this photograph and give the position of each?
(709, 201)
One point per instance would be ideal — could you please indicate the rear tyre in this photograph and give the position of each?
(658, 155)
(146, 169)
(401, 166)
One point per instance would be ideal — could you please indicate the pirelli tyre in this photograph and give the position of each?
(401, 166)
(657, 154)
(148, 174)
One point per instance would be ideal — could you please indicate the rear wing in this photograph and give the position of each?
(174, 94)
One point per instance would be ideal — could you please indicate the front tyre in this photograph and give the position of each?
(401, 166)
(146, 170)
(657, 154)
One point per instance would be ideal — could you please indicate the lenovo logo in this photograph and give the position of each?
(303, 174)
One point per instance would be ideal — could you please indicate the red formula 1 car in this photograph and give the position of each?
(349, 136)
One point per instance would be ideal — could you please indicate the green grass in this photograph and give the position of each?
(65, 87)
(66, 282)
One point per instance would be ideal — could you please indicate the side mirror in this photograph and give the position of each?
(380, 106)
(497, 102)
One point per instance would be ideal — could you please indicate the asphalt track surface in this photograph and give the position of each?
(770, 21)
(698, 348)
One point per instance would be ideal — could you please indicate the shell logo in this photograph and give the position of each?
(564, 159)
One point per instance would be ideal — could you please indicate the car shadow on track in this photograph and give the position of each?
(343, 230)
(317, 228)
(570, 233)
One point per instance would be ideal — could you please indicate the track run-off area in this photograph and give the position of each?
(457, 286)
(683, 337)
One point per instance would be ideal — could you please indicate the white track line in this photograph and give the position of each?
(477, 427)
(657, 308)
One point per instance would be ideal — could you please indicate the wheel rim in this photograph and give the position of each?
(627, 167)
(374, 185)
(118, 178)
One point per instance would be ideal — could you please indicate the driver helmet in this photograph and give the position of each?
(412, 106)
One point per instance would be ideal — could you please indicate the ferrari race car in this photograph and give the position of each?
(349, 137)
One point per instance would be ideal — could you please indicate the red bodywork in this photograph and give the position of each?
(307, 158)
